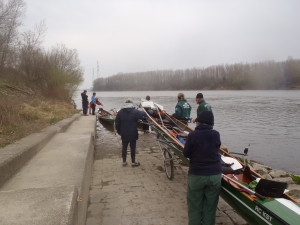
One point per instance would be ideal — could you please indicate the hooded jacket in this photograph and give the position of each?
(202, 148)
(182, 110)
(126, 122)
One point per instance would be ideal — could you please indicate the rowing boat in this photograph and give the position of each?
(265, 204)
(106, 117)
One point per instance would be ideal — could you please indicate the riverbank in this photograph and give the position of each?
(279, 175)
(45, 176)
(53, 168)
(25, 111)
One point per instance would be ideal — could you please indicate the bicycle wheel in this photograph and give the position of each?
(168, 164)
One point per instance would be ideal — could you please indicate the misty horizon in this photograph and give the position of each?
(129, 36)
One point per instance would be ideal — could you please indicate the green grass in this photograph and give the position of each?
(241, 160)
(295, 178)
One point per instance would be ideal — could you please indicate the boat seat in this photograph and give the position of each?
(247, 173)
(227, 170)
(274, 189)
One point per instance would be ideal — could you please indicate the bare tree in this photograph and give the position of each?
(31, 56)
(11, 17)
(65, 71)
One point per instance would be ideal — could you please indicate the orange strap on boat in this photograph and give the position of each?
(173, 134)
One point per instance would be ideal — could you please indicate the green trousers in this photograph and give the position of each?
(202, 198)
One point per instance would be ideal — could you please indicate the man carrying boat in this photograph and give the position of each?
(202, 105)
(126, 125)
(182, 109)
(204, 176)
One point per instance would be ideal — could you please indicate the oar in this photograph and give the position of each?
(169, 117)
(162, 123)
(247, 189)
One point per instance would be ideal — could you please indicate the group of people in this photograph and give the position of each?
(183, 108)
(201, 147)
(89, 105)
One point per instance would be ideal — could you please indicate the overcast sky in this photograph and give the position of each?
(142, 35)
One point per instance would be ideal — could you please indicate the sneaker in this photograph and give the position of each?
(135, 164)
(124, 163)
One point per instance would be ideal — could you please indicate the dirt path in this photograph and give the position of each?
(141, 195)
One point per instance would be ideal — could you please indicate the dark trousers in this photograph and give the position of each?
(84, 108)
(145, 125)
(93, 109)
(132, 150)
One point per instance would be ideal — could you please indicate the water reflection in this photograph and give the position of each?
(267, 120)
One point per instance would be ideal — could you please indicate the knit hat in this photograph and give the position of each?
(129, 100)
(199, 95)
(206, 117)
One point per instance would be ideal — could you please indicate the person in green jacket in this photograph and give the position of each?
(182, 109)
(203, 106)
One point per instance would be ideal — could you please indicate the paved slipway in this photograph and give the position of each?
(140, 195)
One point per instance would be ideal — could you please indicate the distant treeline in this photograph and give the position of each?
(240, 76)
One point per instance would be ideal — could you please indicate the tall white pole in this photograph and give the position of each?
(97, 69)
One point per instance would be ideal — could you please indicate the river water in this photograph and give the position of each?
(267, 120)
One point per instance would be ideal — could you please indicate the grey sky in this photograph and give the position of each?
(142, 35)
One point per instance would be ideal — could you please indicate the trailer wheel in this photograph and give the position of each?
(168, 164)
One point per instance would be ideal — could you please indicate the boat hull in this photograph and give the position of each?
(109, 120)
(254, 211)
(106, 117)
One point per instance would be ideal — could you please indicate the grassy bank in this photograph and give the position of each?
(23, 110)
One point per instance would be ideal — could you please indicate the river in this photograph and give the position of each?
(267, 120)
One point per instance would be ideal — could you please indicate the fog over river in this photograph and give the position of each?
(267, 120)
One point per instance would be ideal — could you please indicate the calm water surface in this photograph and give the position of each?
(267, 120)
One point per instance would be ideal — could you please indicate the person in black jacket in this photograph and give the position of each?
(126, 125)
(85, 103)
(204, 176)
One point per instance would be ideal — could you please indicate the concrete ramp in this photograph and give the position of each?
(14, 156)
(83, 126)
(38, 206)
(61, 169)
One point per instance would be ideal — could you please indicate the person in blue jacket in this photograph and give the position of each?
(204, 176)
(126, 125)
(93, 101)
